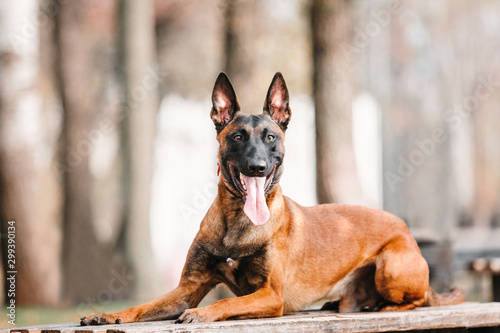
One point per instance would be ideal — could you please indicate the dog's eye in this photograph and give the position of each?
(237, 137)
(270, 138)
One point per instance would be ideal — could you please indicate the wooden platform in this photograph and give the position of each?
(468, 317)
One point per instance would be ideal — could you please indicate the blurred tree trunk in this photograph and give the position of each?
(486, 124)
(140, 79)
(336, 177)
(483, 89)
(25, 194)
(88, 265)
(240, 51)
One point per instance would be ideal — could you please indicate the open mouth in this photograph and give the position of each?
(253, 190)
(240, 183)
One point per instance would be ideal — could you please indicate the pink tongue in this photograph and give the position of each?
(255, 204)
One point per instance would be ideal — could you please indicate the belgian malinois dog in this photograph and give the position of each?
(275, 255)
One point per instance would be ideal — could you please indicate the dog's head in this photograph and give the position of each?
(251, 146)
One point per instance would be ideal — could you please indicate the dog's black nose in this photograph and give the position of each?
(257, 168)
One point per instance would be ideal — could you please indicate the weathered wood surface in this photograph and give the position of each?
(468, 315)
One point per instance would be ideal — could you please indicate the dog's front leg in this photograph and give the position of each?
(268, 301)
(263, 303)
(196, 281)
(168, 306)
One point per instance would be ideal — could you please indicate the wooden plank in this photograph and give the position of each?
(468, 315)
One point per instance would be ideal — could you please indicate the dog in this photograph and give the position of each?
(275, 255)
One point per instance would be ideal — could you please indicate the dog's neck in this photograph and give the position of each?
(235, 228)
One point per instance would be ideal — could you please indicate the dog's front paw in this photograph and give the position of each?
(194, 316)
(100, 319)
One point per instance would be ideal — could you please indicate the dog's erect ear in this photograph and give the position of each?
(276, 104)
(224, 103)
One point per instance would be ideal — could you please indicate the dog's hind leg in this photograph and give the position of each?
(402, 275)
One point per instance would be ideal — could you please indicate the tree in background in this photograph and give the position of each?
(241, 25)
(483, 109)
(140, 80)
(336, 178)
(28, 190)
(88, 264)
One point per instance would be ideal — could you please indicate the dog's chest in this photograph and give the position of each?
(244, 274)
(243, 234)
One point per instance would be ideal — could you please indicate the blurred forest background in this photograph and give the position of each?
(108, 154)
